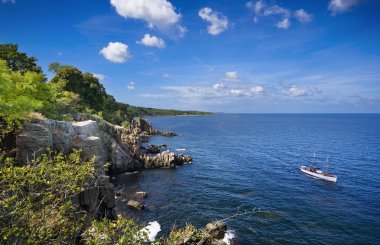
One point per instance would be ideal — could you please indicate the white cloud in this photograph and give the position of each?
(256, 7)
(218, 22)
(152, 41)
(238, 92)
(101, 77)
(260, 8)
(218, 86)
(283, 24)
(231, 75)
(116, 52)
(277, 10)
(131, 86)
(166, 75)
(257, 90)
(340, 6)
(9, 1)
(293, 91)
(157, 13)
(302, 16)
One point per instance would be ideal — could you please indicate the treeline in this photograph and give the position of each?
(24, 88)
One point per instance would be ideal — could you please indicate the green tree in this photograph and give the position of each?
(18, 61)
(20, 94)
(54, 67)
(91, 92)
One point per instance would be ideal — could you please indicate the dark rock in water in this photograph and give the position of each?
(153, 149)
(141, 194)
(165, 159)
(135, 204)
(216, 229)
(181, 159)
(168, 134)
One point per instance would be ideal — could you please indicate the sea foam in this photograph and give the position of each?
(228, 237)
(151, 230)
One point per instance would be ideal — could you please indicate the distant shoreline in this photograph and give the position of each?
(189, 115)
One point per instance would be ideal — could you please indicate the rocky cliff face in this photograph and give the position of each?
(98, 140)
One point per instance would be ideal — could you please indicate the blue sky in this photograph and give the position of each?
(222, 56)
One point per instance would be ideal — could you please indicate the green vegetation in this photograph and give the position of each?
(18, 61)
(31, 208)
(39, 201)
(20, 93)
(23, 89)
(37, 204)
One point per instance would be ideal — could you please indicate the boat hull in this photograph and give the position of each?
(305, 170)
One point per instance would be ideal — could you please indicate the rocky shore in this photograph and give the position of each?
(115, 150)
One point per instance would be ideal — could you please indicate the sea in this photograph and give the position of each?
(246, 172)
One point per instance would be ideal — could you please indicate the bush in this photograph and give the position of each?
(37, 200)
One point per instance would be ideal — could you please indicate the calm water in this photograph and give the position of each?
(252, 161)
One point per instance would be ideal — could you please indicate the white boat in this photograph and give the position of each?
(312, 171)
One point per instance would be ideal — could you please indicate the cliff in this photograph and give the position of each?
(101, 141)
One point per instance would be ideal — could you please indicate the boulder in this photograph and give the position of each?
(165, 159)
(216, 229)
(168, 134)
(92, 148)
(153, 149)
(135, 204)
(140, 125)
(62, 133)
(88, 128)
(141, 194)
(32, 142)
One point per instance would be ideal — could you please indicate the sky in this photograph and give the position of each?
(232, 56)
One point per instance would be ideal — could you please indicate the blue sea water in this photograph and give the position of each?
(250, 161)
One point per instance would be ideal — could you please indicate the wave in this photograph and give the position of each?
(228, 237)
(180, 149)
(151, 230)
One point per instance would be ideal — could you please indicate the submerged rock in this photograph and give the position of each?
(153, 149)
(141, 194)
(135, 204)
(168, 134)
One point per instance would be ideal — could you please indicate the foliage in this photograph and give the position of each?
(54, 67)
(36, 204)
(125, 124)
(91, 92)
(18, 61)
(186, 235)
(61, 103)
(20, 93)
(23, 93)
(122, 231)
(94, 98)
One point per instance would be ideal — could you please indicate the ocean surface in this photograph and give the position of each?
(245, 162)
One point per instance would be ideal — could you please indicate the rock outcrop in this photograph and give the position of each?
(101, 141)
(135, 204)
(165, 159)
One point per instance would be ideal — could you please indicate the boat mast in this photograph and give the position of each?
(327, 165)
(313, 162)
